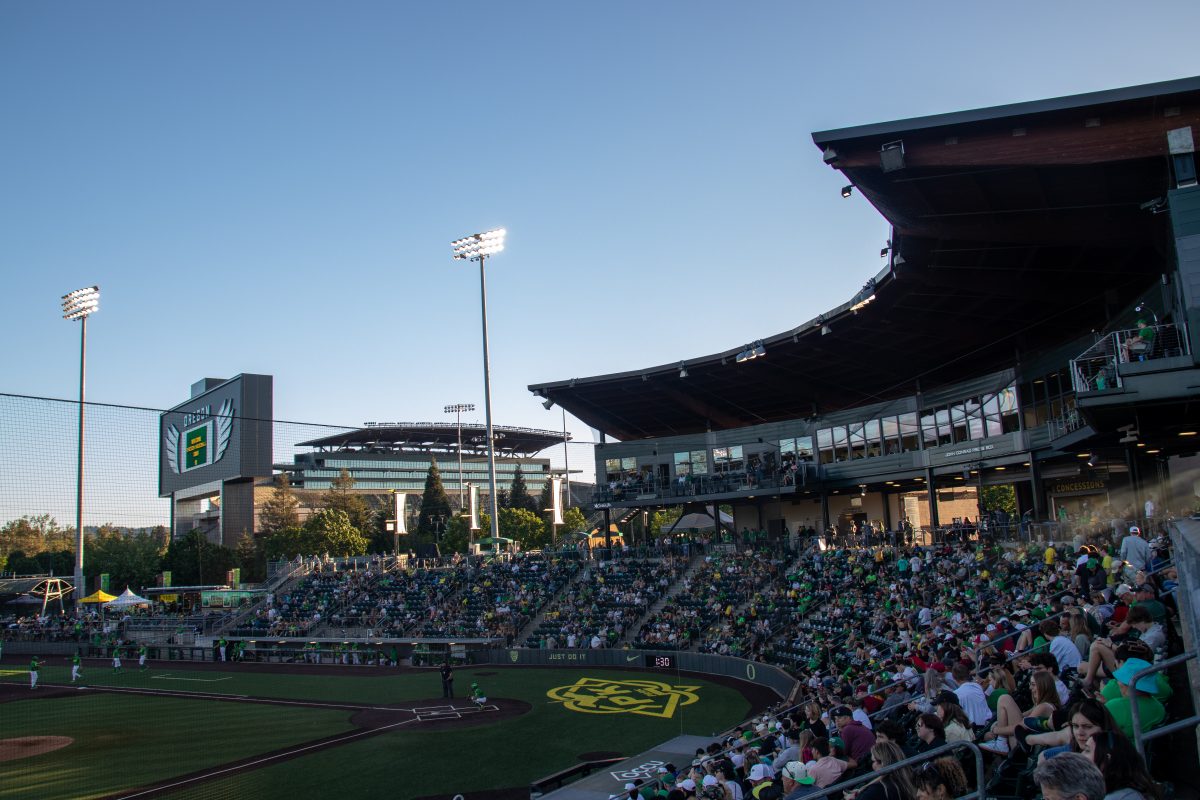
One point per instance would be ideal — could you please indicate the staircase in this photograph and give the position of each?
(693, 567)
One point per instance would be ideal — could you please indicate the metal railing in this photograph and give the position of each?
(928, 755)
(1139, 737)
(1095, 369)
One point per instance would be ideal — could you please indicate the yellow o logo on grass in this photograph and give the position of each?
(603, 696)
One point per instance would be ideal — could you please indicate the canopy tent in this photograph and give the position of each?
(99, 596)
(126, 599)
(701, 521)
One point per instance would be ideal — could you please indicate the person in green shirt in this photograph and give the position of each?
(142, 652)
(76, 664)
(1151, 713)
(34, 665)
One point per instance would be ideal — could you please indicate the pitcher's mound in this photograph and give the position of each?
(26, 746)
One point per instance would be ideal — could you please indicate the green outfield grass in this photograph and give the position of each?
(129, 740)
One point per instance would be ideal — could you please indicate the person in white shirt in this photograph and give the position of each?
(1061, 647)
(971, 696)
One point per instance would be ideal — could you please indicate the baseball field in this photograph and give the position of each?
(208, 731)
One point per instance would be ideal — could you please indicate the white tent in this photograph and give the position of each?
(126, 599)
(701, 521)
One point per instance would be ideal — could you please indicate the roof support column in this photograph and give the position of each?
(1035, 486)
(933, 511)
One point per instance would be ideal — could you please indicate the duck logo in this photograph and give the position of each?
(602, 696)
(201, 444)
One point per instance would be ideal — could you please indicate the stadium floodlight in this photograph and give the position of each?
(477, 247)
(80, 304)
(458, 409)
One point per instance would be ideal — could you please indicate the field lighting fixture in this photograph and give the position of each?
(457, 409)
(79, 304)
(749, 353)
(547, 404)
(477, 247)
(847, 190)
(683, 373)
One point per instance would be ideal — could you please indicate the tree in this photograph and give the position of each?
(573, 521)
(288, 543)
(334, 534)
(132, 561)
(35, 534)
(195, 561)
(250, 559)
(1003, 497)
(524, 527)
(342, 497)
(435, 504)
(518, 494)
(279, 511)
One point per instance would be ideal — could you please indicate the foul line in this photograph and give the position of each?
(197, 680)
(266, 759)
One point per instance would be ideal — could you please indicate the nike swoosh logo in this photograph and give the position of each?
(632, 658)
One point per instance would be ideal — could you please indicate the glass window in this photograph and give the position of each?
(787, 446)
(958, 422)
(683, 463)
(910, 433)
(825, 445)
(699, 462)
(929, 432)
(857, 440)
(890, 428)
(804, 448)
(728, 459)
(841, 448)
(871, 433)
(944, 429)
(991, 415)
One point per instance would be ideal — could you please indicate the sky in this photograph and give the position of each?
(272, 187)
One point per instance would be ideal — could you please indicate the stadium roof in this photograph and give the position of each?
(1016, 228)
(438, 437)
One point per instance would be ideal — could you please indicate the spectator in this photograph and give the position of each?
(1151, 712)
(940, 779)
(1124, 770)
(1135, 551)
(828, 769)
(931, 732)
(857, 738)
(971, 697)
(1070, 776)
(895, 785)
(797, 781)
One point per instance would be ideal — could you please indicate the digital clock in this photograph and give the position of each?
(660, 662)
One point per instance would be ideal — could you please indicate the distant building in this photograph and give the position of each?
(386, 457)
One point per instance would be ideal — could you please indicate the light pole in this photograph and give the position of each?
(457, 409)
(78, 305)
(477, 247)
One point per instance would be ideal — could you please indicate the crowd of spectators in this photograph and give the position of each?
(903, 650)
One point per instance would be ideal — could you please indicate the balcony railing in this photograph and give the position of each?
(1095, 369)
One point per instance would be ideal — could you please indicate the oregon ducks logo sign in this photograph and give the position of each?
(202, 441)
(513, 655)
(602, 696)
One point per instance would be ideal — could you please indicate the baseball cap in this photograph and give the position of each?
(629, 786)
(687, 784)
(1135, 529)
(798, 772)
(841, 711)
(1123, 590)
(709, 780)
(758, 772)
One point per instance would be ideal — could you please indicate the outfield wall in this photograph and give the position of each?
(773, 678)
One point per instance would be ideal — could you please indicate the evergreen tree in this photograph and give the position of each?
(342, 497)
(518, 494)
(279, 511)
(545, 503)
(435, 504)
(334, 534)
(250, 559)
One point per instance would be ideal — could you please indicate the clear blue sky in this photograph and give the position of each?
(272, 186)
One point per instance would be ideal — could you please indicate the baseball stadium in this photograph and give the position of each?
(936, 542)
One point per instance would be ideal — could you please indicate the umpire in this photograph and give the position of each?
(447, 680)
